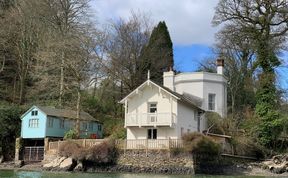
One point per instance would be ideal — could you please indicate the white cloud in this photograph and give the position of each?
(188, 21)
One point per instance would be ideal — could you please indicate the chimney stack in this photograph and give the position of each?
(168, 79)
(220, 66)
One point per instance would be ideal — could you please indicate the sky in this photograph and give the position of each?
(188, 22)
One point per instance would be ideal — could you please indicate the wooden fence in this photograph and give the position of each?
(124, 144)
(149, 144)
(83, 142)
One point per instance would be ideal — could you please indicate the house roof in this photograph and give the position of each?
(186, 98)
(64, 113)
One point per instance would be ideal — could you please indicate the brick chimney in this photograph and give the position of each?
(220, 66)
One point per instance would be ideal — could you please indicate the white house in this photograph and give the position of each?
(153, 111)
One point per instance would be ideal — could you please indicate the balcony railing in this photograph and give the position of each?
(150, 119)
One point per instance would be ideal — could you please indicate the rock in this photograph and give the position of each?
(55, 163)
(79, 167)
(1, 159)
(18, 164)
(68, 164)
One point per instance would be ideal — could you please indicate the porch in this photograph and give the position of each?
(150, 119)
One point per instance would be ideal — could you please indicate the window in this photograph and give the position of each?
(84, 126)
(99, 127)
(211, 102)
(152, 133)
(62, 123)
(33, 123)
(50, 122)
(90, 126)
(152, 107)
(34, 113)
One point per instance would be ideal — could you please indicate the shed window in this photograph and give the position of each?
(33, 123)
(90, 126)
(99, 127)
(62, 123)
(152, 107)
(34, 113)
(85, 126)
(50, 122)
(211, 102)
(152, 134)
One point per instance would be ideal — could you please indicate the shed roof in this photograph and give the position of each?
(65, 113)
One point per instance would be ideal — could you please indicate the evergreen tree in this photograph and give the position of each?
(157, 56)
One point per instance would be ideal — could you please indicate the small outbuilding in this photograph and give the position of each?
(40, 123)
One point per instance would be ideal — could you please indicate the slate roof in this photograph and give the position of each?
(66, 113)
(186, 97)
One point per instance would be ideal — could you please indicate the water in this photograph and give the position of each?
(34, 174)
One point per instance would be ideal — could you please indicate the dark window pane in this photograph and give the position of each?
(149, 133)
(154, 133)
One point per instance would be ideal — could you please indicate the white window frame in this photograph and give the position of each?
(152, 107)
(211, 101)
(33, 123)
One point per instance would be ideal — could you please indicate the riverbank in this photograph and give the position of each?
(251, 169)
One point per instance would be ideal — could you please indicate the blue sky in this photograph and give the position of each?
(188, 22)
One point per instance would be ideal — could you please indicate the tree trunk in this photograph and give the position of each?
(78, 112)
(61, 80)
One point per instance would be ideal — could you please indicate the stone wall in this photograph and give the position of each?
(154, 161)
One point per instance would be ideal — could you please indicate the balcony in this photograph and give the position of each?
(150, 119)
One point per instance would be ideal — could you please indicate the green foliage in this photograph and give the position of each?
(158, 54)
(271, 124)
(71, 134)
(197, 143)
(9, 129)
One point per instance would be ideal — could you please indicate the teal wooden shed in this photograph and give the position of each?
(46, 122)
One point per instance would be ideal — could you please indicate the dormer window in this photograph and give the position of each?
(34, 113)
(211, 102)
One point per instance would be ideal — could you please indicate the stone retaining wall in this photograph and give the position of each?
(154, 161)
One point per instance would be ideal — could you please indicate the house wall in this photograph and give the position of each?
(139, 103)
(28, 132)
(57, 131)
(200, 84)
(141, 133)
(186, 119)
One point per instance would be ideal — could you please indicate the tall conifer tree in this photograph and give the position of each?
(157, 56)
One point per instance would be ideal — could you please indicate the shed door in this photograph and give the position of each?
(33, 153)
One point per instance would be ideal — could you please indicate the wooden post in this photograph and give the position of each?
(84, 143)
(146, 147)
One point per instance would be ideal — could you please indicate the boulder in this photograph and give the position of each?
(55, 163)
(68, 164)
(79, 167)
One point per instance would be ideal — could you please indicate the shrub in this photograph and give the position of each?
(71, 134)
(70, 149)
(105, 152)
(197, 143)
